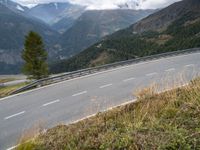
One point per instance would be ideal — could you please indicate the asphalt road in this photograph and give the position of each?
(74, 99)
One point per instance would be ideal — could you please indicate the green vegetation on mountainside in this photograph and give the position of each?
(181, 34)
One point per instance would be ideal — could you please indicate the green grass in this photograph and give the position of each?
(7, 90)
(170, 121)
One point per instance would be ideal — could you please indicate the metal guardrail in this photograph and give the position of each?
(83, 72)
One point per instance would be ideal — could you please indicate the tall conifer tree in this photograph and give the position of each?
(35, 57)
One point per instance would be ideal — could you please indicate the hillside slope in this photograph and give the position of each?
(161, 20)
(95, 24)
(162, 35)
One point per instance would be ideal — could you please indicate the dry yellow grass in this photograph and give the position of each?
(102, 59)
(7, 90)
(6, 80)
(162, 39)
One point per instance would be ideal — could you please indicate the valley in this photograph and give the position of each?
(174, 28)
(67, 29)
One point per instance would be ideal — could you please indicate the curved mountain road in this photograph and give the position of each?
(71, 100)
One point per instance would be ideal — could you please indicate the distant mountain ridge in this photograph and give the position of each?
(80, 27)
(68, 18)
(59, 15)
(173, 28)
(93, 25)
(14, 6)
(162, 19)
(13, 28)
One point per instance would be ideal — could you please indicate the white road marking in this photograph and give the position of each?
(190, 65)
(152, 74)
(129, 79)
(13, 147)
(110, 108)
(14, 115)
(50, 103)
(81, 93)
(101, 72)
(104, 86)
(171, 69)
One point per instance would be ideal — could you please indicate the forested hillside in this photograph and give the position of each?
(182, 33)
(93, 25)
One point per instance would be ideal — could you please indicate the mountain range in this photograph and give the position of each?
(80, 28)
(173, 28)
(93, 25)
(14, 6)
(13, 28)
(72, 28)
(60, 16)
(66, 29)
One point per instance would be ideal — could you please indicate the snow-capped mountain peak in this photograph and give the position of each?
(19, 8)
(131, 4)
(13, 6)
(56, 5)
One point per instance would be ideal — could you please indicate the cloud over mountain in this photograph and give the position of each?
(109, 4)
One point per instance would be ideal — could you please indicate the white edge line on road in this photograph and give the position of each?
(129, 79)
(146, 62)
(104, 86)
(14, 115)
(89, 116)
(152, 74)
(13, 147)
(81, 93)
(50, 103)
(171, 69)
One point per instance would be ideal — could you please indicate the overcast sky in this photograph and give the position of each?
(107, 4)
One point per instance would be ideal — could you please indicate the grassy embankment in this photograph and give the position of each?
(4, 80)
(6, 90)
(170, 120)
